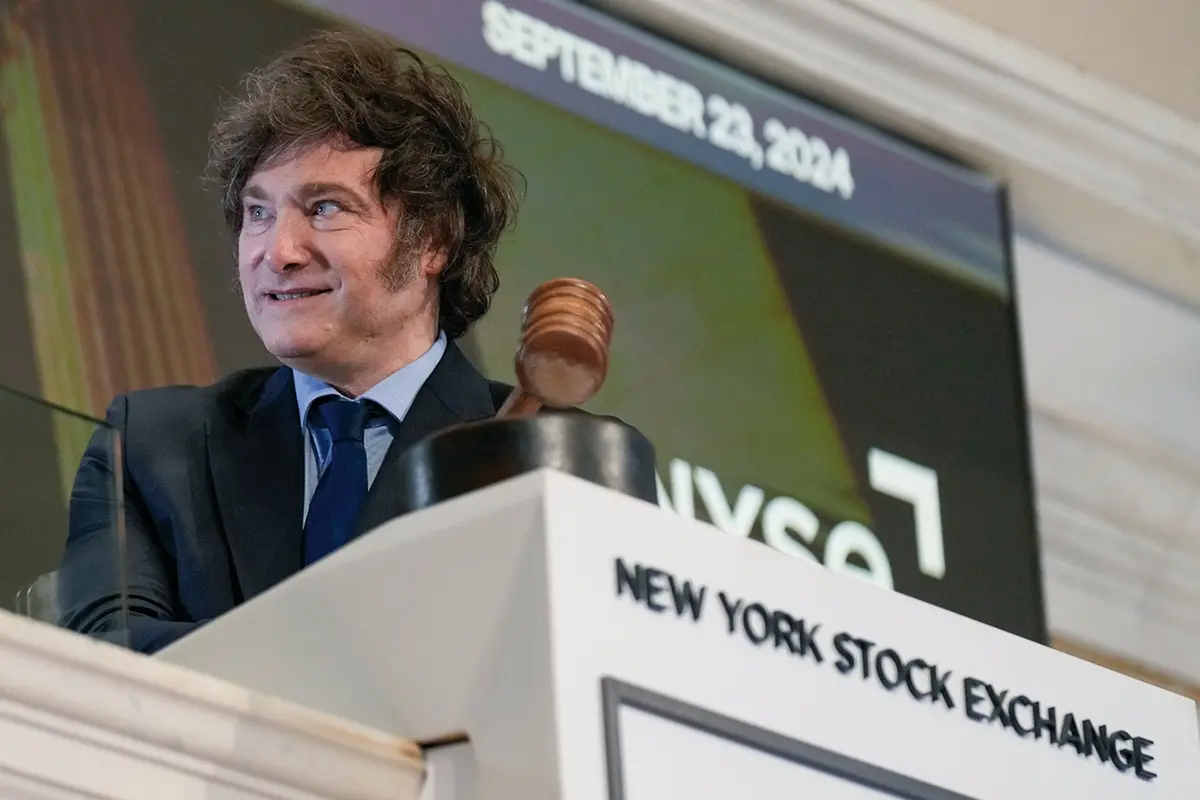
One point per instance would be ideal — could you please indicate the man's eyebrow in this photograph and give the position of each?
(253, 192)
(309, 191)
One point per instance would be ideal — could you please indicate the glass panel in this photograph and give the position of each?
(41, 449)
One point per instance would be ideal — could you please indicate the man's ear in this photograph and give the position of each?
(433, 261)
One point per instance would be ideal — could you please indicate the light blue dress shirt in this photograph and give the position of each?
(395, 394)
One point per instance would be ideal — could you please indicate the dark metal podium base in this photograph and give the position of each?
(474, 455)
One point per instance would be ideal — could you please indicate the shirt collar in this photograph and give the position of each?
(395, 393)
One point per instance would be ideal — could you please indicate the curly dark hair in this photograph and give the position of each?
(439, 163)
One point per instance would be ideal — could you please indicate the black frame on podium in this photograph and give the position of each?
(616, 694)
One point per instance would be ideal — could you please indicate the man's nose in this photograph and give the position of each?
(287, 244)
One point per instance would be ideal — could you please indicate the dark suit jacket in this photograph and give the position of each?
(213, 498)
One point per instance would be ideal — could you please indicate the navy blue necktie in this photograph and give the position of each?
(340, 493)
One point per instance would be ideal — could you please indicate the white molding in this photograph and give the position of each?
(1120, 547)
(1092, 167)
(80, 718)
(1116, 459)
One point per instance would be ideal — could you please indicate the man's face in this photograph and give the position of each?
(324, 284)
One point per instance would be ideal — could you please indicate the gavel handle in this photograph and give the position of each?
(519, 404)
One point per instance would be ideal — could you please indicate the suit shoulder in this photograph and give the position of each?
(499, 392)
(184, 403)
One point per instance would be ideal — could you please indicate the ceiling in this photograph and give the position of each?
(1149, 47)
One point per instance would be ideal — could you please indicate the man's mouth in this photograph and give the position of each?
(296, 295)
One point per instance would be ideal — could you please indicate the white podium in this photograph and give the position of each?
(595, 647)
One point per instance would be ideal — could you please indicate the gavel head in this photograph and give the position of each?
(566, 331)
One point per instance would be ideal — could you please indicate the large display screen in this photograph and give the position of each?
(815, 321)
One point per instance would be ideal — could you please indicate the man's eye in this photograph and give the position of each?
(327, 208)
(256, 213)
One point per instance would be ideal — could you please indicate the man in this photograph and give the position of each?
(367, 206)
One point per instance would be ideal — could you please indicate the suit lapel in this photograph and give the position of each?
(256, 451)
(455, 392)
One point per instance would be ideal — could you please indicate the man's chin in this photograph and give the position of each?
(294, 352)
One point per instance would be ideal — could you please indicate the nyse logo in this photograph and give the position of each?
(791, 527)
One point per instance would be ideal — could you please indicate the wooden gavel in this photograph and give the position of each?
(562, 360)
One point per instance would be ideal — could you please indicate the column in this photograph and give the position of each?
(109, 280)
